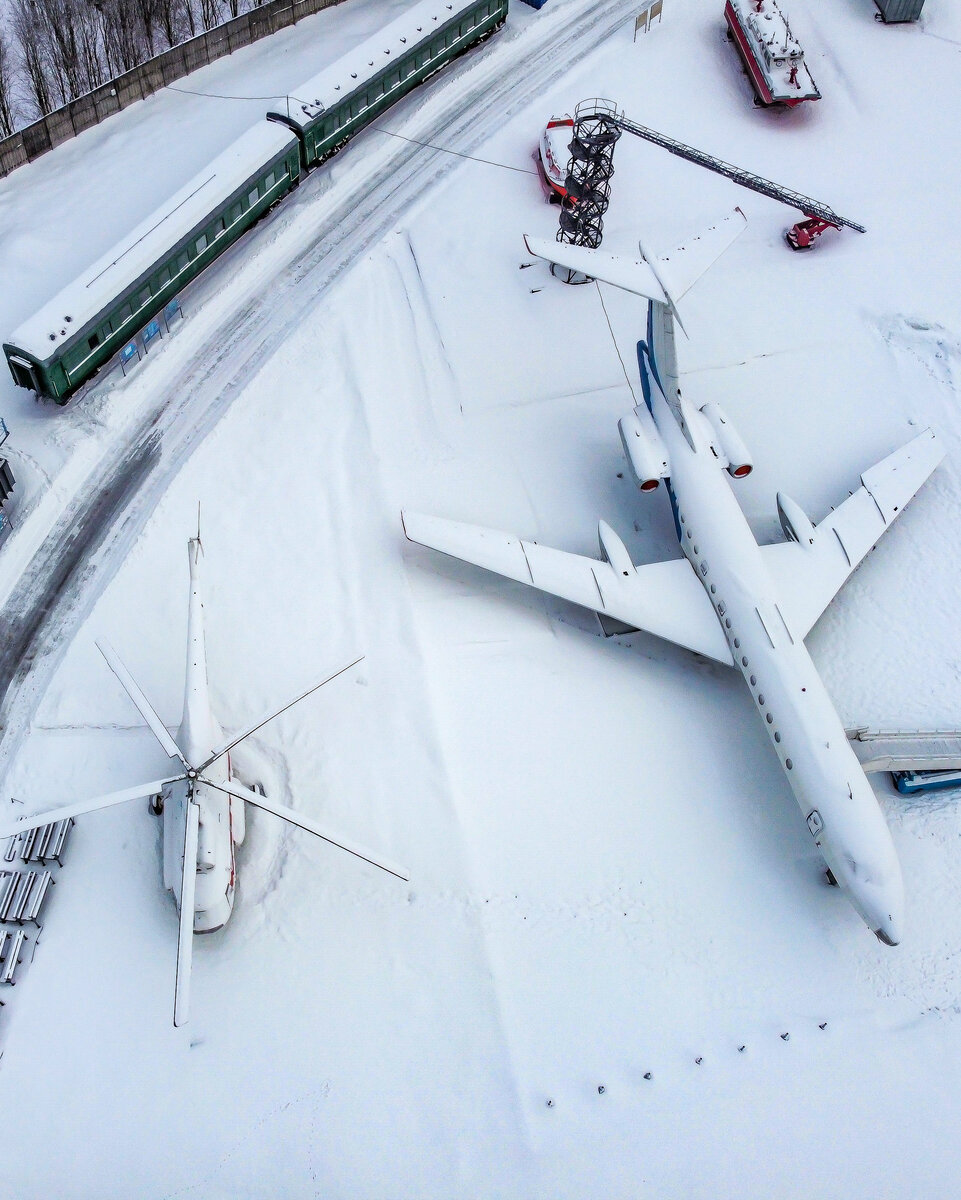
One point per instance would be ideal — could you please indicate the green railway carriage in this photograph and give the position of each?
(330, 108)
(119, 299)
(81, 329)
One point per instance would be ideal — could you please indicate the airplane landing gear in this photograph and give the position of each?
(829, 878)
(156, 805)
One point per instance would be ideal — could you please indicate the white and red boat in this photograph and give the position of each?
(553, 156)
(771, 53)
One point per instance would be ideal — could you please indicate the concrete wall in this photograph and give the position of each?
(30, 142)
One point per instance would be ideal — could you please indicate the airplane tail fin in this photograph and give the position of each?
(665, 280)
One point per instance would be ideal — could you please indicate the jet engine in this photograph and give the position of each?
(740, 464)
(644, 448)
(794, 521)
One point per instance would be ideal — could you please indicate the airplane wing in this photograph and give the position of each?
(808, 577)
(664, 598)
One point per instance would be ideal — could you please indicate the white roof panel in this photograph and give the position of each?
(125, 262)
(323, 91)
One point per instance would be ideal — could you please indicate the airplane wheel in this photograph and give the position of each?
(156, 805)
(829, 877)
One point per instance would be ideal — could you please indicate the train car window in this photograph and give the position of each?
(269, 181)
(252, 198)
(120, 317)
(218, 227)
(143, 297)
(200, 245)
(183, 261)
(93, 341)
(163, 277)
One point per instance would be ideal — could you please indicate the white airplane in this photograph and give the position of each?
(728, 598)
(202, 805)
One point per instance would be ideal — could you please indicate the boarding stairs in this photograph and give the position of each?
(919, 760)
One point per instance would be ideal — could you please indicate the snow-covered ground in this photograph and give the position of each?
(609, 876)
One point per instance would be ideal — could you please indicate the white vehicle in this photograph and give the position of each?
(739, 603)
(202, 805)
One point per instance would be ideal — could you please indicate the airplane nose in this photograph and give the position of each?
(883, 935)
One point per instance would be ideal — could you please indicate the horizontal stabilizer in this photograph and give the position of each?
(683, 267)
(12, 828)
(807, 576)
(664, 599)
(630, 274)
(664, 279)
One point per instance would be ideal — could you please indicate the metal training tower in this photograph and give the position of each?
(588, 182)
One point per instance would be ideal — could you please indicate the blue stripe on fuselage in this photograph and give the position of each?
(647, 366)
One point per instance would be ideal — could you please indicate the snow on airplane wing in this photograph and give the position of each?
(807, 577)
(663, 598)
(664, 279)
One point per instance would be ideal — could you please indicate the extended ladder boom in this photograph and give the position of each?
(756, 183)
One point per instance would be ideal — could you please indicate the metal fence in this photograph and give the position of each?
(59, 126)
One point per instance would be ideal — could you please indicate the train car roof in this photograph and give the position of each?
(313, 98)
(124, 263)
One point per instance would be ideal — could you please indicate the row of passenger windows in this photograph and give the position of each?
(736, 641)
(176, 266)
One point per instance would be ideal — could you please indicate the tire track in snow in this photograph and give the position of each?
(86, 544)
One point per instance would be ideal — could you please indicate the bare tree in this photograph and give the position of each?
(33, 54)
(211, 13)
(7, 123)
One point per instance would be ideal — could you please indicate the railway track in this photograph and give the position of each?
(81, 550)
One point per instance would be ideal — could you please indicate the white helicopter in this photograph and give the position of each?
(202, 805)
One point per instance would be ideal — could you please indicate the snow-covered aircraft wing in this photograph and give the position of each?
(809, 573)
(663, 598)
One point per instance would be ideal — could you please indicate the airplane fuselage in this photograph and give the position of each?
(834, 795)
